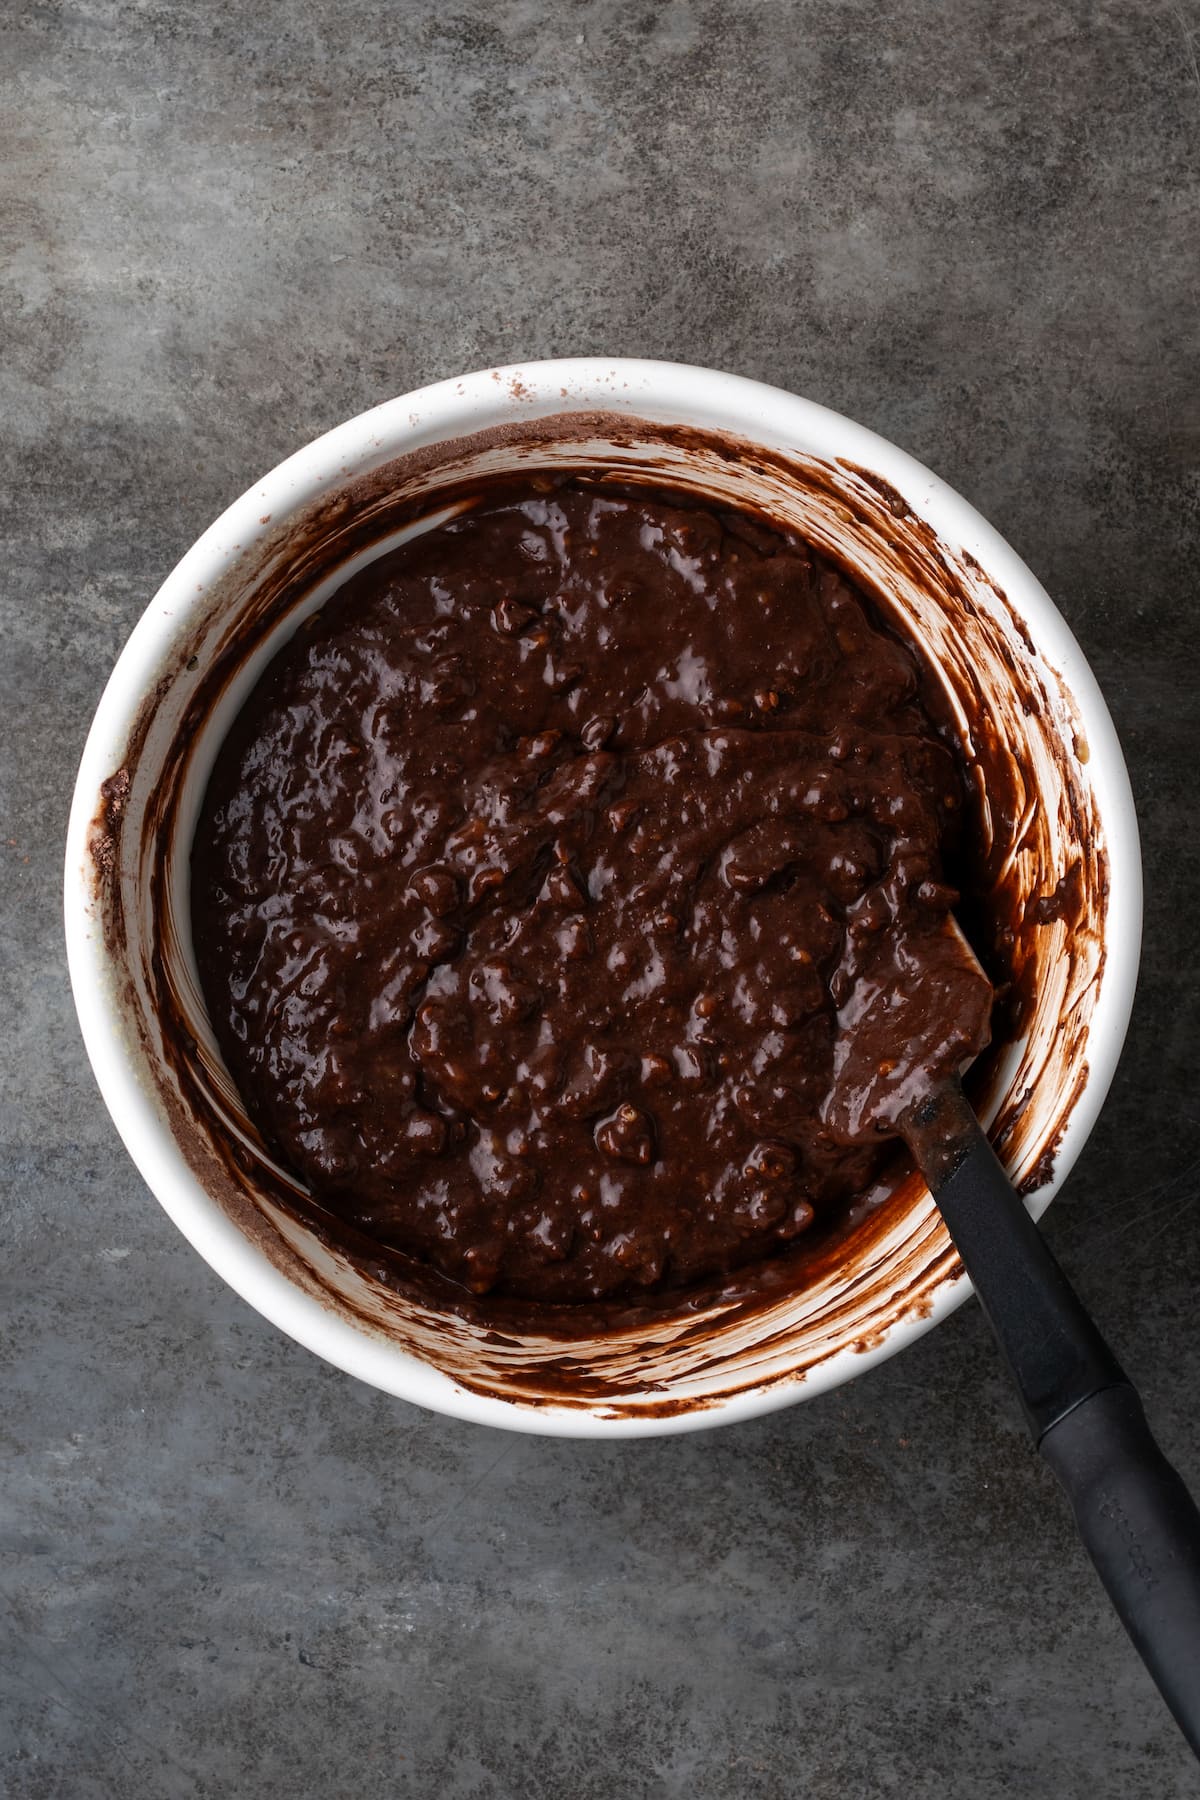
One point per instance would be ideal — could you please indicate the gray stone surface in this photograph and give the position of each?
(226, 1569)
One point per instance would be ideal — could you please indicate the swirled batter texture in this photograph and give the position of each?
(534, 872)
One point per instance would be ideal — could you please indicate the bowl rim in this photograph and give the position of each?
(440, 412)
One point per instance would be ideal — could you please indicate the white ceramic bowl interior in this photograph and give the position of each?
(904, 531)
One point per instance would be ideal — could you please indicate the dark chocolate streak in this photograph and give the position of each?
(533, 875)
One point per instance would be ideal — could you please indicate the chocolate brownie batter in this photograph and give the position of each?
(533, 876)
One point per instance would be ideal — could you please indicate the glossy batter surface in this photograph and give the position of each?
(533, 875)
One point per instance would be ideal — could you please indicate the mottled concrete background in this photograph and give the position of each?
(227, 1569)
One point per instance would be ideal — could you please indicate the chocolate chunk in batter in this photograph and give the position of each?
(533, 875)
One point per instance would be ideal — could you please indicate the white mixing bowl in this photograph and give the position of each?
(1032, 720)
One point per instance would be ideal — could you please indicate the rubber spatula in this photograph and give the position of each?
(1136, 1518)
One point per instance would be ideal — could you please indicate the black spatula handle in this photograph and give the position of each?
(1136, 1518)
(1055, 1352)
(1142, 1531)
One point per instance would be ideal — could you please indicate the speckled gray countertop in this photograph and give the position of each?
(226, 1569)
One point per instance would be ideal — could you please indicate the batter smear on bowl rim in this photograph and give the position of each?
(534, 873)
